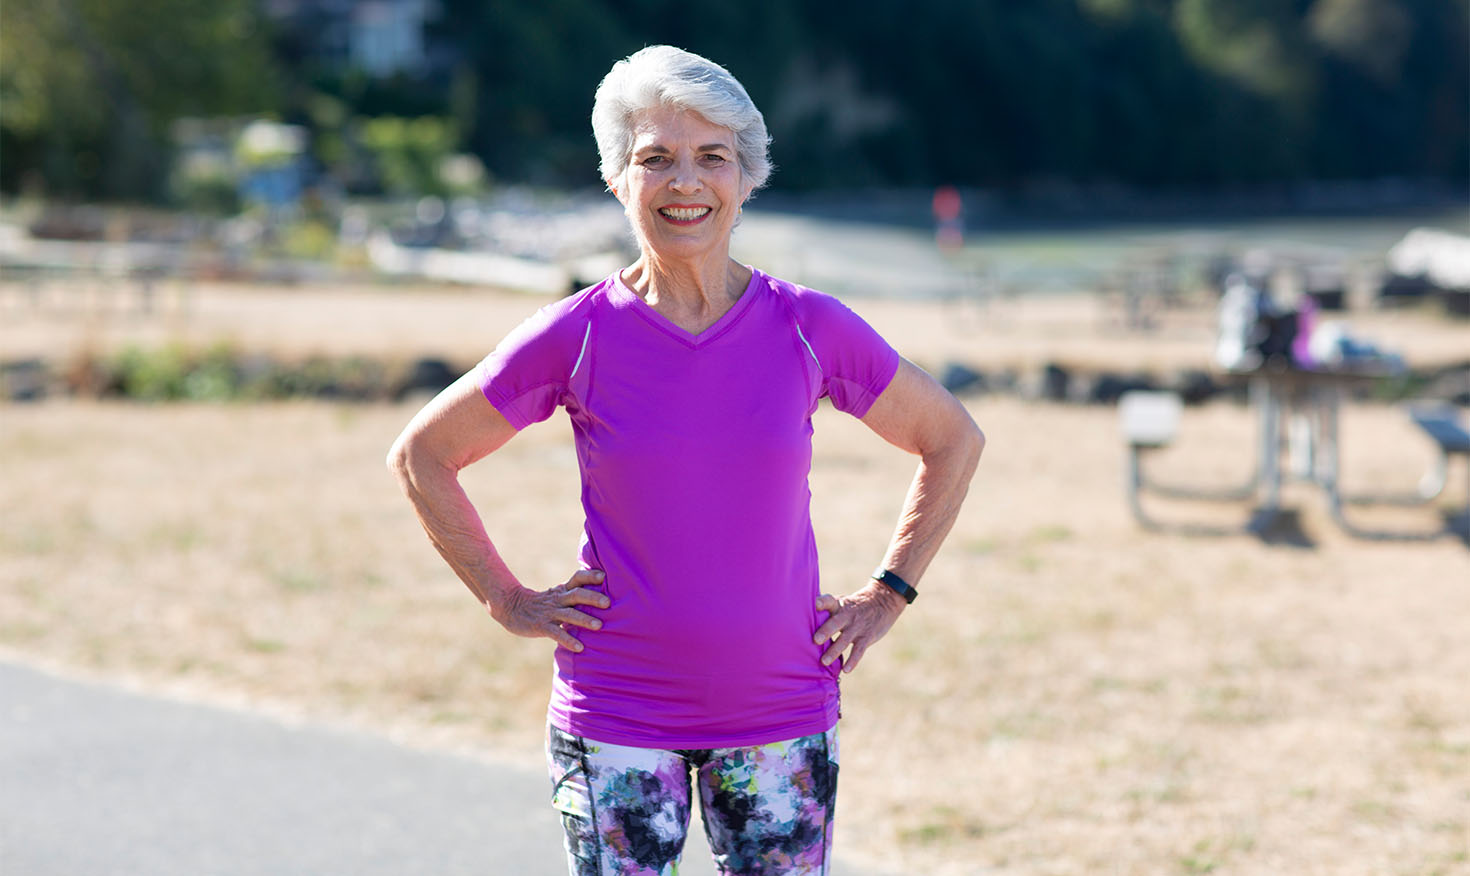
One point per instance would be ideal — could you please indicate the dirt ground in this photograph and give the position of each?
(1069, 695)
(57, 320)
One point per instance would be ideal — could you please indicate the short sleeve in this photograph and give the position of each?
(856, 363)
(526, 375)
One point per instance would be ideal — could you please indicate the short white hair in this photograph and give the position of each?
(663, 76)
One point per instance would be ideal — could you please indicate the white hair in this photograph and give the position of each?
(663, 76)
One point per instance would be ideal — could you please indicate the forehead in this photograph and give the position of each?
(671, 127)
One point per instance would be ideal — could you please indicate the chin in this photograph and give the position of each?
(685, 247)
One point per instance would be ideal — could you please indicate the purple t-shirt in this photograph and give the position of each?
(694, 452)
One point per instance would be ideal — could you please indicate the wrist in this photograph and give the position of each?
(500, 600)
(895, 586)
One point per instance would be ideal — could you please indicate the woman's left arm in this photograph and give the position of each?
(917, 414)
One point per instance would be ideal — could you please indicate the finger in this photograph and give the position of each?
(584, 577)
(851, 662)
(583, 596)
(578, 619)
(834, 652)
(828, 602)
(832, 627)
(562, 637)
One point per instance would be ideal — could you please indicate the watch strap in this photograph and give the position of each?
(897, 584)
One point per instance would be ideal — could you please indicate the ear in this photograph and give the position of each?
(613, 187)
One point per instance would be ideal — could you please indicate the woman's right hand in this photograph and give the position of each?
(537, 613)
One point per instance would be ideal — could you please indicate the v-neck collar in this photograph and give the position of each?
(717, 328)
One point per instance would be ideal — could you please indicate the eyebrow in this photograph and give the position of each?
(664, 150)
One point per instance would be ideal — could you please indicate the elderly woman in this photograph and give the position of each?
(694, 649)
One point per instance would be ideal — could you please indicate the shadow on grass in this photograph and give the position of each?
(1282, 527)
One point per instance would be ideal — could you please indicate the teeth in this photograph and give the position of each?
(684, 214)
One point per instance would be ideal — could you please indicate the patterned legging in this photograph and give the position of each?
(767, 808)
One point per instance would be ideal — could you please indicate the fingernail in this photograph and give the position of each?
(596, 624)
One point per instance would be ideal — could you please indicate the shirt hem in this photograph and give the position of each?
(594, 733)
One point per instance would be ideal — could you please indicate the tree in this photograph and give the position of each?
(89, 87)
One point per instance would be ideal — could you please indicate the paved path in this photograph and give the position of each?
(95, 780)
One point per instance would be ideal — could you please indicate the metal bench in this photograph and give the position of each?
(1442, 424)
(1149, 421)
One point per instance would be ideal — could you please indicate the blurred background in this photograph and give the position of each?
(292, 131)
(154, 103)
(242, 241)
(1140, 149)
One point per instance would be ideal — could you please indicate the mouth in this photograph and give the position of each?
(684, 215)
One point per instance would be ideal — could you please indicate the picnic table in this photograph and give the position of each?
(1297, 416)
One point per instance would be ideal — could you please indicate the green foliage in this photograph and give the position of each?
(221, 374)
(89, 87)
(410, 152)
(1148, 92)
(174, 374)
(204, 188)
(156, 376)
(213, 377)
(1152, 92)
(309, 239)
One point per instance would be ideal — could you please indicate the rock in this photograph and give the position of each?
(1055, 381)
(1194, 386)
(1106, 388)
(426, 375)
(1004, 382)
(24, 380)
(958, 379)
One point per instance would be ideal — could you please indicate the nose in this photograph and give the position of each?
(686, 178)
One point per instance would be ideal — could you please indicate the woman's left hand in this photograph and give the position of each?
(857, 621)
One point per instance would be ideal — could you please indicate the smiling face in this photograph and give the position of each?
(683, 186)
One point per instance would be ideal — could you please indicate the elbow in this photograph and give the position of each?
(956, 447)
(974, 445)
(400, 458)
(417, 461)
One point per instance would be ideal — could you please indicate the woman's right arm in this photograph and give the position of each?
(457, 428)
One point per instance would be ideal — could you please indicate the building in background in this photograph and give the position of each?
(381, 38)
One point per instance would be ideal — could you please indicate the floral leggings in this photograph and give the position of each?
(767, 808)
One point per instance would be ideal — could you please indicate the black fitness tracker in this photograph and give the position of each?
(899, 586)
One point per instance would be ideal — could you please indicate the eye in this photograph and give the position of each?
(713, 158)
(656, 161)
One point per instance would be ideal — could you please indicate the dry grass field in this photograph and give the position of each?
(1070, 694)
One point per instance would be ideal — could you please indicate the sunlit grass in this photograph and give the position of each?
(1070, 694)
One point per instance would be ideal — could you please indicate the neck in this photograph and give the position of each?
(708, 286)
